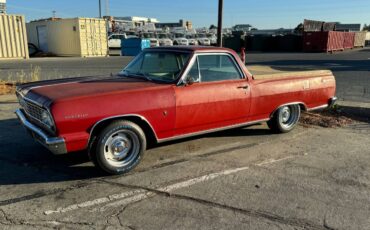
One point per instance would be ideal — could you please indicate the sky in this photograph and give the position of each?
(263, 14)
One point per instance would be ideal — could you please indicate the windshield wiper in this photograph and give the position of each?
(127, 73)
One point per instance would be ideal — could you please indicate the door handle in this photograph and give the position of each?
(243, 87)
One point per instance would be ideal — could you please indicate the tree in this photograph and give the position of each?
(366, 27)
(213, 27)
(299, 29)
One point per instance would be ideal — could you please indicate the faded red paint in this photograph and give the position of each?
(173, 110)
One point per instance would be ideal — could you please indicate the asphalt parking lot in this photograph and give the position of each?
(311, 178)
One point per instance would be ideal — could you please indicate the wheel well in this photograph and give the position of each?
(302, 106)
(148, 131)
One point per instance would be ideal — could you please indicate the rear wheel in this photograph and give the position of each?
(119, 147)
(285, 119)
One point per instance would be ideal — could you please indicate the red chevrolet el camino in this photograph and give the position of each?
(165, 94)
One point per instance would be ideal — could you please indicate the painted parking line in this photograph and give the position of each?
(126, 198)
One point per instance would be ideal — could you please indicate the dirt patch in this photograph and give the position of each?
(332, 118)
(6, 88)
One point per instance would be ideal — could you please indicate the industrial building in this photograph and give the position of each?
(181, 23)
(348, 27)
(2, 6)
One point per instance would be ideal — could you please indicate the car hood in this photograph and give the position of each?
(47, 92)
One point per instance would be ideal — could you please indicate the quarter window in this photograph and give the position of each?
(194, 72)
(217, 68)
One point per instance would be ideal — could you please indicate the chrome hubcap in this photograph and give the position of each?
(289, 116)
(285, 114)
(121, 148)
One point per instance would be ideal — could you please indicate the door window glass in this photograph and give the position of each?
(217, 68)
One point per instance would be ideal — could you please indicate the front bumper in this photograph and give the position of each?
(55, 144)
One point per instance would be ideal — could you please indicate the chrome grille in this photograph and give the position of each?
(31, 109)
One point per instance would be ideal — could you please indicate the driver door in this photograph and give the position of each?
(219, 95)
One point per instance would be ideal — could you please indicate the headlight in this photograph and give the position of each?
(46, 119)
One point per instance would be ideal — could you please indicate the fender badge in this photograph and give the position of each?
(76, 116)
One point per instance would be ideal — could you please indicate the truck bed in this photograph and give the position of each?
(266, 72)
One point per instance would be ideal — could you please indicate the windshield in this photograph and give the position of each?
(157, 66)
(201, 36)
(148, 35)
(162, 36)
(179, 35)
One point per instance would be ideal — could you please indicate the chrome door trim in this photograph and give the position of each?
(212, 130)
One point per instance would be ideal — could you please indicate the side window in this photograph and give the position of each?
(194, 72)
(217, 68)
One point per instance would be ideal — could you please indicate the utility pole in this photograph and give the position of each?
(99, 8)
(219, 28)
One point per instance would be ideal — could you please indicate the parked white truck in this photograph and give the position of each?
(180, 39)
(164, 39)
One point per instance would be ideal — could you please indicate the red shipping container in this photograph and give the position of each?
(323, 41)
(349, 40)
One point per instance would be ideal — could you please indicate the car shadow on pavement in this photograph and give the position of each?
(23, 161)
(355, 113)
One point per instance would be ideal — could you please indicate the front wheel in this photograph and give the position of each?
(285, 119)
(119, 147)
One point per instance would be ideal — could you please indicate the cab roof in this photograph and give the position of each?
(193, 49)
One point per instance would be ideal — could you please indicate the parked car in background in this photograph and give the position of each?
(180, 39)
(164, 39)
(212, 38)
(114, 40)
(192, 39)
(165, 94)
(203, 40)
(151, 37)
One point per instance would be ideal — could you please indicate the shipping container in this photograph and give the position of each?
(349, 40)
(329, 26)
(312, 26)
(13, 37)
(79, 37)
(290, 43)
(367, 38)
(234, 42)
(260, 43)
(360, 39)
(323, 41)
